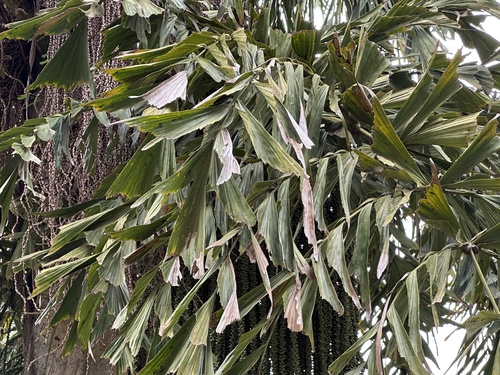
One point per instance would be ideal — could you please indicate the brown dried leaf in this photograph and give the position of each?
(293, 312)
(231, 313)
(302, 265)
(175, 274)
(198, 268)
(301, 127)
(224, 147)
(281, 128)
(228, 296)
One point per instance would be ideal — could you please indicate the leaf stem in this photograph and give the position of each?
(485, 284)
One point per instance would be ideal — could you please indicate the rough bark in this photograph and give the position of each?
(43, 351)
(69, 185)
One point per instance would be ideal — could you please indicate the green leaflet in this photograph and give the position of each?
(74, 249)
(413, 292)
(386, 143)
(183, 176)
(243, 342)
(176, 124)
(496, 366)
(481, 320)
(235, 203)
(143, 8)
(8, 181)
(70, 231)
(280, 41)
(279, 283)
(269, 228)
(188, 234)
(485, 45)
(111, 261)
(122, 97)
(232, 87)
(218, 73)
(189, 362)
(262, 264)
(70, 65)
(489, 238)
(485, 144)
(291, 128)
(199, 334)
(190, 44)
(326, 288)
(346, 163)
(435, 209)
(338, 365)
(358, 105)
(413, 104)
(230, 195)
(141, 232)
(447, 85)
(86, 317)
(49, 276)
(184, 303)
(336, 258)
(226, 282)
(140, 288)
(401, 17)
(133, 329)
(438, 266)
(369, 164)
(454, 133)
(309, 293)
(370, 63)
(304, 44)
(314, 110)
(70, 304)
(476, 182)
(89, 144)
(61, 126)
(295, 88)
(138, 175)
(71, 340)
(9, 136)
(23, 149)
(340, 68)
(426, 44)
(319, 193)
(404, 344)
(284, 226)
(359, 263)
(266, 147)
(55, 21)
(246, 364)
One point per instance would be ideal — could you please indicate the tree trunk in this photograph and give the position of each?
(43, 345)
(43, 352)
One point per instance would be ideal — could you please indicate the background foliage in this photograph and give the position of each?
(282, 173)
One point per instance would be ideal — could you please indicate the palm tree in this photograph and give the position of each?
(265, 192)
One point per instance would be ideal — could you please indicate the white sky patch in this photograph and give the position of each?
(446, 349)
(453, 45)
